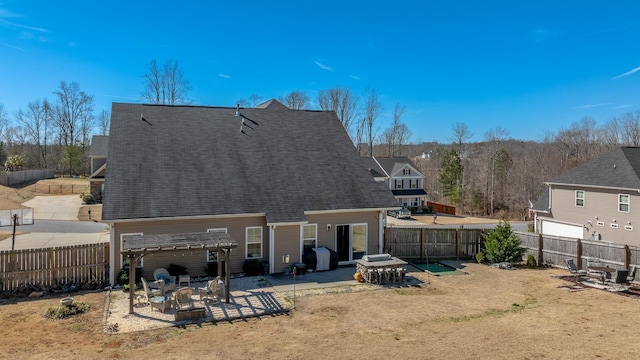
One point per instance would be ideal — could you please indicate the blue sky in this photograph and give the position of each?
(530, 67)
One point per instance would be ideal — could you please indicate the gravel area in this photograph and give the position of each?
(250, 297)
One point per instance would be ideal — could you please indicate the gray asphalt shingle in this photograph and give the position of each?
(193, 161)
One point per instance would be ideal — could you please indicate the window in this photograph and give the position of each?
(580, 198)
(123, 259)
(212, 256)
(254, 242)
(623, 203)
(309, 235)
(398, 184)
(406, 172)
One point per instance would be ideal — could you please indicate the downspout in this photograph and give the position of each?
(381, 218)
(272, 239)
(112, 255)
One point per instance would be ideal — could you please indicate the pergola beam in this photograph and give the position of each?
(136, 246)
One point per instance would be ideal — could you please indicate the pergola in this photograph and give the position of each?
(135, 247)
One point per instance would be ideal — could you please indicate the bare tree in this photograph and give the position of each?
(344, 103)
(630, 128)
(36, 121)
(398, 134)
(4, 120)
(166, 86)
(73, 113)
(296, 100)
(580, 141)
(494, 137)
(461, 134)
(372, 110)
(253, 101)
(104, 121)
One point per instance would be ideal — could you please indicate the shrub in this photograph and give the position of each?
(502, 245)
(531, 262)
(176, 269)
(123, 276)
(530, 228)
(88, 199)
(480, 258)
(252, 267)
(63, 311)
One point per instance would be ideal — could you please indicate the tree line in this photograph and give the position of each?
(499, 176)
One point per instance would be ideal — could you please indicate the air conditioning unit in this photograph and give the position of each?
(595, 236)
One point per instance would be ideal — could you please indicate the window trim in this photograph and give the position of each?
(577, 198)
(399, 184)
(413, 182)
(122, 259)
(620, 203)
(246, 241)
(209, 252)
(303, 239)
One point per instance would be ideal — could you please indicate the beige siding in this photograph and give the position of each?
(287, 239)
(195, 261)
(599, 206)
(287, 243)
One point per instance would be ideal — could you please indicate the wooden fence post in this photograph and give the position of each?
(458, 234)
(540, 252)
(626, 256)
(52, 264)
(422, 243)
(579, 253)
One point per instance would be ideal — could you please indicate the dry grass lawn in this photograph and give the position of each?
(488, 314)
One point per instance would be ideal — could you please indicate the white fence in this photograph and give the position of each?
(25, 216)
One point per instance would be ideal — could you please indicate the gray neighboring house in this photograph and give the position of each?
(276, 180)
(597, 200)
(401, 176)
(98, 161)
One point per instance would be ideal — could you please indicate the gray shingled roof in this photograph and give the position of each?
(193, 161)
(99, 146)
(394, 163)
(615, 169)
(374, 169)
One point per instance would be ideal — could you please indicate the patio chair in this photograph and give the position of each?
(148, 293)
(165, 281)
(182, 298)
(213, 290)
(578, 274)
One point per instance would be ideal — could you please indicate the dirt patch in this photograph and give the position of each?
(94, 215)
(490, 313)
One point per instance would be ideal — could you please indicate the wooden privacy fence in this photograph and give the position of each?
(19, 177)
(554, 250)
(422, 243)
(54, 266)
(441, 208)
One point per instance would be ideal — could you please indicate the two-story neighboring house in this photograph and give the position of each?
(597, 200)
(275, 180)
(98, 162)
(402, 177)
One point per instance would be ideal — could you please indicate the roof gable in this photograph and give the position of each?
(99, 146)
(618, 168)
(168, 161)
(395, 164)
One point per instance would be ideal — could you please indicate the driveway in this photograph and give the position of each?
(56, 224)
(57, 207)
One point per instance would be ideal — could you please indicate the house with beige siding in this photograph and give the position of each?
(276, 180)
(598, 200)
